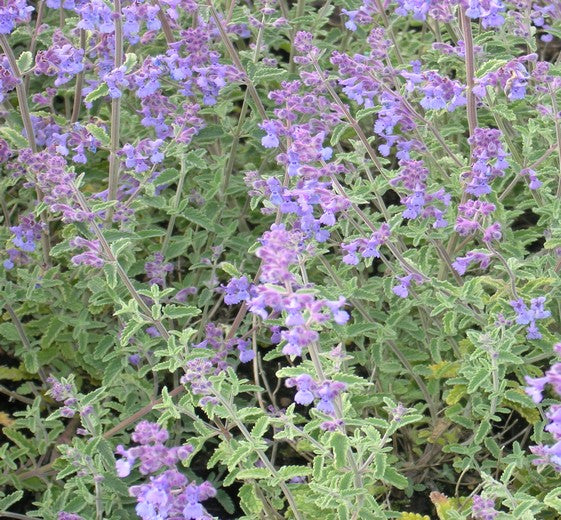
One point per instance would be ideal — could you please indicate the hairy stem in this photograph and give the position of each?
(79, 84)
(175, 204)
(262, 456)
(21, 93)
(23, 337)
(114, 161)
(470, 71)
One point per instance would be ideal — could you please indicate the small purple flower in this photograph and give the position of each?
(483, 508)
(489, 160)
(534, 183)
(309, 390)
(95, 15)
(63, 515)
(305, 386)
(535, 388)
(92, 254)
(60, 390)
(116, 81)
(13, 12)
(237, 290)
(61, 60)
(525, 316)
(402, 290)
(328, 392)
(157, 270)
(271, 140)
(245, 350)
(27, 233)
(489, 11)
(492, 233)
(462, 263)
(350, 23)
(368, 248)
(332, 426)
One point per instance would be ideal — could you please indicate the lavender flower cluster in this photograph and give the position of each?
(168, 494)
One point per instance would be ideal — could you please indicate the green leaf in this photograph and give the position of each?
(99, 133)
(101, 91)
(51, 332)
(110, 270)
(379, 465)
(24, 61)
(230, 269)
(392, 477)
(168, 176)
(339, 131)
(13, 137)
(240, 453)
(520, 397)
(522, 507)
(260, 428)
(553, 499)
(340, 445)
(249, 501)
(493, 447)
(351, 379)
(131, 328)
(31, 361)
(176, 311)
(194, 159)
(265, 74)
(482, 431)
(112, 371)
(253, 473)
(477, 380)
(12, 374)
(9, 331)
(360, 329)
(131, 60)
(9, 500)
(290, 472)
(489, 66)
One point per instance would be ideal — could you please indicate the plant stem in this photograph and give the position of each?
(23, 337)
(236, 60)
(120, 271)
(300, 10)
(15, 395)
(470, 71)
(21, 93)
(168, 33)
(33, 44)
(175, 204)
(79, 84)
(314, 355)
(16, 516)
(557, 134)
(114, 161)
(262, 456)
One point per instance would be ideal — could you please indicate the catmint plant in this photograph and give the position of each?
(280, 260)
